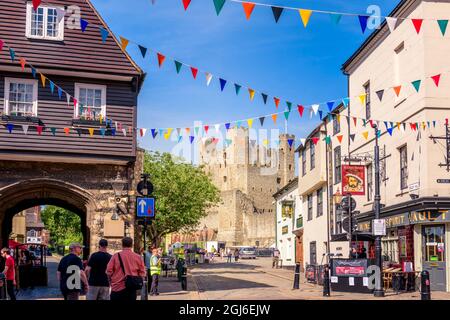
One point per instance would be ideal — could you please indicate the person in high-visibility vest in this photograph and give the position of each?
(155, 271)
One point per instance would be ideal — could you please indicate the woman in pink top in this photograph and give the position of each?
(133, 265)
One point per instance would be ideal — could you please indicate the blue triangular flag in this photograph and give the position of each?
(113, 131)
(227, 126)
(434, 124)
(10, 127)
(389, 130)
(154, 133)
(52, 86)
(346, 101)
(104, 34)
(330, 105)
(264, 96)
(352, 137)
(238, 124)
(378, 133)
(60, 92)
(363, 22)
(102, 131)
(261, 120)
(83, 24)
(290, 141)
(33, 72)
(161, 131)
(191, 138)
(223, 82)
(143, 50)
(180, 138)
(237, 88)
(320, 114)
(12, 54)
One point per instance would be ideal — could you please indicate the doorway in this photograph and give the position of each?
(433, 255)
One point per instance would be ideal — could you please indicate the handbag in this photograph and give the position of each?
(131, 282)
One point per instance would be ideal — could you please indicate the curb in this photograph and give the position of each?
(194, 294)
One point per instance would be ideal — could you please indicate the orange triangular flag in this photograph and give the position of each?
(248, 9)
(339, 137)
(124, 43)
(22, 63)
(397, 90)
(67, 130)
(251, 93)
(365, 134)
(43, 78)
(274, 118)
(277, 101)
(305, 15)
(161, 59)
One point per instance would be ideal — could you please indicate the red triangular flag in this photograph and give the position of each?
(36, 4)
(39, 129)
(300, 110)
(315, 140)
(354, 121)
(417, 24)
(186, 4)
(75, 102)
(194, 72)
(206, 129)
(436, 79)
(277, 101)
(397, 90)
(161, 59)
(248, 9)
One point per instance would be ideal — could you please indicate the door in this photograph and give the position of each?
(299, 250)
(433, 251)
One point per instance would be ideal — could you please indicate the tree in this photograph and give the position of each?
(182, 192)
(64, 225)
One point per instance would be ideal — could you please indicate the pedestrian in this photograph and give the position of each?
(221, 253)
(147, 256)
(155, 271)
(276, 258)
(363, 254)
(353, 253)
(96, 273)
(125, 265)
(236, 255)
(9, 272)
(229, 254)
(69, 266)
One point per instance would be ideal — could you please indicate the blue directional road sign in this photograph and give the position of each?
(145, 207)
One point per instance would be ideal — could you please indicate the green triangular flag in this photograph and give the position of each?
(327, 139)
(237, 88)
(219, 5)
(53, 130)
(416, 84)
(443, 26)
(196, 130)
(286, 114)
(178, 65)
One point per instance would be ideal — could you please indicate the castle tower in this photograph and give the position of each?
(286, 158)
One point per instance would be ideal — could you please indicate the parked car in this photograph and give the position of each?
(247, 253)
(264, 252)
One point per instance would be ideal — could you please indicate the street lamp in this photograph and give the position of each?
(118, 185)
(337, 196)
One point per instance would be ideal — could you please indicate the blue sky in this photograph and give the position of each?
(283, 59)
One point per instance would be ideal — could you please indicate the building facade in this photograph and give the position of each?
(78, 153)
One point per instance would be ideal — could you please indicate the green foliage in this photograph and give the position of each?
(183, 194)
(64, 225)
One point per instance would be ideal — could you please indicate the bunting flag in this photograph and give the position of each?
(36, 4)
(397, 90)
(104, 33)
(227, 126)
(218, 4)
(25, 128)
(362, 98)
(67, 131)
(251, 93)
(142, 132)
(290, 142)
(315, 108)
(102, 132)
(1, 45)
(416, 85)
(443, 26)
(264, 96)
(53, 130)
(274, 118)
(346, 102)
(206, 129)
(286, 115)
(277, 11)
(91, 131)
(223, 82)
(52, 86)
(339, 137)
(303, 141)
(161, 59)
(417, 24)
(330, 105)
(43, 79)
(261, 121)
(327, 139)
(320, 114)
(191, 139)
(436, 79)
(208, 78)
(194, 72)
(300, 110)
(143, 51)
(22, 63)
(60, 92)
(363, 22)
(250, 123)
(365, 134)
(178, 66)
(39, 129)
(33, 72)
(352, 137)
(392, 23)
(12, 54)
(84, 24)
(380, 94)
(289, 105)
(248, 9)
(305, 15)
(315, 140)
(389, 130)
(277, 101)
(186, 4)
(335, 18)
(237, 88)
(10, 127)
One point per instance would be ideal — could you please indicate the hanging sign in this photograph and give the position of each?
(353, 180)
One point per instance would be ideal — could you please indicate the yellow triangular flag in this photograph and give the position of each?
(168, 133)
(305, 15)
(91, 131)
(43, 78)
(338, 118)
(252, 93)
(362, 98)
(365, 134)
(100, 118)
(250, 122)
(398, 125)
(265, 142)
(124, 43)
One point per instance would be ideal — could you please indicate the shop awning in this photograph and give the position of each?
(356, 236)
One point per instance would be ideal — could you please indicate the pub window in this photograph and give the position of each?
(336, 125)
(312, 253)
(91, 101)
(310, 207)
(369, 182)
(46, 22)
(319, 202)
(312, 151)
(403, 167)
(21, 97)
(367, 92)
(304, 161)
(337, 165)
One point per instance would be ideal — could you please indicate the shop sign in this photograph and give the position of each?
(379, 227)
(429, 216)
(364, 226)
(397, 220)
(353, 180)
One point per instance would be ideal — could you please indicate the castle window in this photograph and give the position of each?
(278, 180)
(290, 167)
(47, 22)
(91, 101)
(224, 178)
(21, 97)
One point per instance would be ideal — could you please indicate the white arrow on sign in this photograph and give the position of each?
(142, 205)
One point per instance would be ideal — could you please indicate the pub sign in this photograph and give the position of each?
(353, 180)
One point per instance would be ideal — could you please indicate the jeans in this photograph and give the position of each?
(124, 295)
(10, 289)
(155, 281)
(71, 295)
(229, 259)
(98, 293)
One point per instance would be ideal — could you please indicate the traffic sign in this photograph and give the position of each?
(344, 204)
(145, 207)
(345, 224)
(141, 186)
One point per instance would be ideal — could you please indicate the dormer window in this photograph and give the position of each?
(46, 22)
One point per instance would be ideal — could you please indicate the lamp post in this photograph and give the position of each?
(379, 291)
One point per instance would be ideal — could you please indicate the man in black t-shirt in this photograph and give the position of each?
(96, 273)
(71, 274)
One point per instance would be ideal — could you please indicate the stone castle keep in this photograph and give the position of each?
(247, 175)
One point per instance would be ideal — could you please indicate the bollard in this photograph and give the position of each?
(425, 291)
(184, 279)
(297, 276)
(326, 281)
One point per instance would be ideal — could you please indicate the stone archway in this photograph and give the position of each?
(19, 196)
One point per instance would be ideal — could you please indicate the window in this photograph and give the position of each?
(304, 161)
(310, 207)
(21, 97)
(312, 150)
(337, 165)
(224, 178)
(47, 22)
(369, 182)
(91, 101)
(319, 202)
(336, 125)
(403, 168)
(312, 253)
(338, 218)
(367, 92)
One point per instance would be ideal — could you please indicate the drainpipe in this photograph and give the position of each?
(327, 188)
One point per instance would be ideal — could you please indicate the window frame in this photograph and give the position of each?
(80, 85)
(403, 170)
(319, 195)
(369, 181)
(46, 7)
(8, 82)
(309, 201)
(337, 168)
(312, 155)
(336, 125)
(304, 162)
